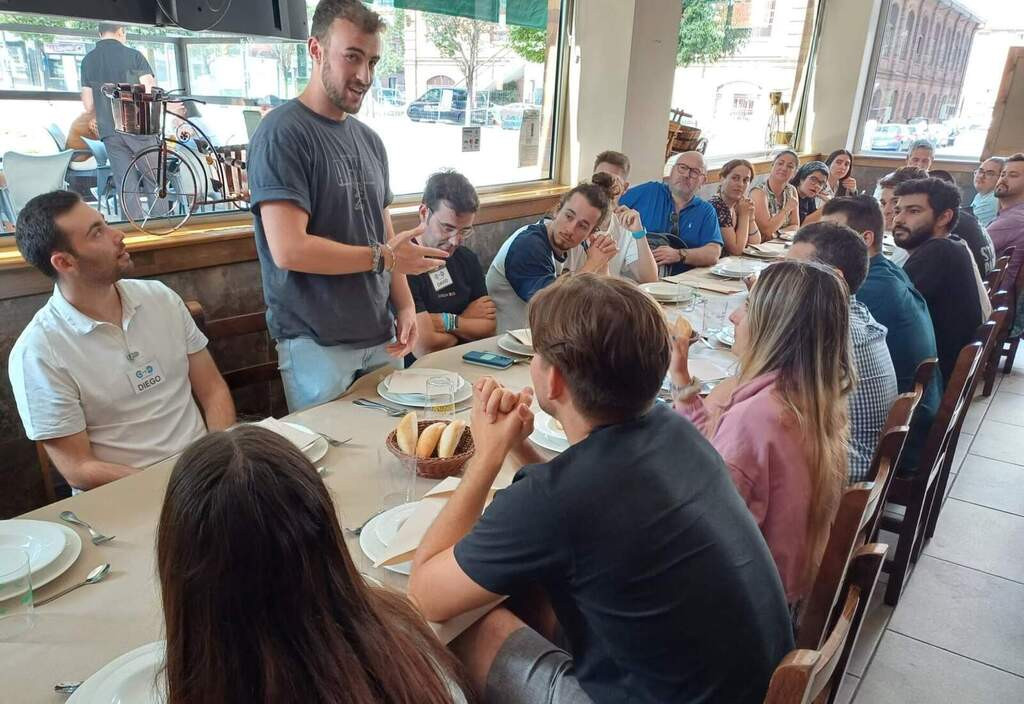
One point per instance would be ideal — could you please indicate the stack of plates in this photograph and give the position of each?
(734, 270)
(727, 336)
(463, 391)
(548, 433)
(378, 533)
(516, 345)
(51, 548)
(134, 677)
(666, 292)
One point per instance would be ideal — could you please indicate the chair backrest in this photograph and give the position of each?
(993, 279)
(815, 675)
(859, 510)
(98, 149)
(233, 327)
(29, 176)
(955, 402)
(58, 136)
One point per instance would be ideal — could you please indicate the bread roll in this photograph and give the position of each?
(450, 438)
(407, 433)
(682, 328)
(428, 440)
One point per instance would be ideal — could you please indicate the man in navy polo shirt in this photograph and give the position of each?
(675, 208)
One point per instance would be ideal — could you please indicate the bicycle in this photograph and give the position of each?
(166, 183)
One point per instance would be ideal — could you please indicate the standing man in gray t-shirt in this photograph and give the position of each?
(333, 268)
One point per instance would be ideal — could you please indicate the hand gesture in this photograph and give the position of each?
(482, 307)
(602, 248)
(850, 184)
(744, 206)
(412, 258)
(500, 419)
(629, 218)
(666, 255)
(678, 367)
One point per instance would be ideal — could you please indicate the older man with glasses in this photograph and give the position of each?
(985, 205)
(674, 208)
(452, 305)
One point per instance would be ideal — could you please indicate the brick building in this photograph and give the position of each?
(923, 59)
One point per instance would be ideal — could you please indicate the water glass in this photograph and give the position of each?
(440, 398)
(397, 479)
(16, 601)
(716, 310)
(685, 297)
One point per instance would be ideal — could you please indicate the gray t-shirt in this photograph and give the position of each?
(338, 173)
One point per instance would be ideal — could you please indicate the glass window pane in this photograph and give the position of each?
(937, 74)
(732, 56)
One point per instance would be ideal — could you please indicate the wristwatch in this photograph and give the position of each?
(682, 256)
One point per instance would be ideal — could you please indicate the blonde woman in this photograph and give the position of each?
(781, 425)
(734, 209)
(776, 203)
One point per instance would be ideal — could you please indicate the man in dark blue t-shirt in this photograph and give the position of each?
(674, 208)
(452, 304)
(656, 574)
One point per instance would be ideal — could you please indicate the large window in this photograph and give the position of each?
(448, 70)
(937, 72)
(732, 56)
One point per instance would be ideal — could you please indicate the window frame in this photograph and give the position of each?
(555, 154)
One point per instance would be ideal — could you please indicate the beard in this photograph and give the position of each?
(338, 95)
(908, 238)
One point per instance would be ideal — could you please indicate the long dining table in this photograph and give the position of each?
(76, 635)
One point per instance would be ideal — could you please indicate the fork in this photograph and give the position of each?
(332, 441)
(389, 410)
(97, 537)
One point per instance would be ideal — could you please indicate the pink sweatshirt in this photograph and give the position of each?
(765, 455)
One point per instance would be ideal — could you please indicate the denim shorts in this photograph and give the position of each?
(313, 374)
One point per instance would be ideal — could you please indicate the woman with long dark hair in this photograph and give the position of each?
(840, 176)
(734, 209)
(262, 602)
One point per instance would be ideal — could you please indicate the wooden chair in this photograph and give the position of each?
(997, 277)
(1010, 344)
(1001, 299)
(858, 513)
(917, 491)
(234, 326)
(816, 675)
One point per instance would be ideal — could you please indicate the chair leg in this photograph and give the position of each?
(990, 370)
(899, 570)
(933, 504)
(1010, 354)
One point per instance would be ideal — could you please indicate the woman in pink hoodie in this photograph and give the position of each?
(781, 424)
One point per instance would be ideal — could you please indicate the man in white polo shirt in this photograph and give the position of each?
(104, 374)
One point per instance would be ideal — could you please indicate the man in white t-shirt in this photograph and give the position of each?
(105, 373)
(634, 259)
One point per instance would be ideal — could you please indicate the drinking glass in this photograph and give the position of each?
(397, 479)
(16, 601)
(440, 398)
(716, 310)
(684, 297)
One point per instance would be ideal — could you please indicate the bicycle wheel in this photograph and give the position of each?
(159, 191)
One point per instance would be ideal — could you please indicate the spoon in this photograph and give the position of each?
(97, 537)
(95, 576)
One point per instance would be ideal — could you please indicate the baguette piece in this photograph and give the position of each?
(407, 433)
(429, 438)
(450, 438)
(682, 328)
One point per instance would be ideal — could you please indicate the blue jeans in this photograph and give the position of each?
(313, 374)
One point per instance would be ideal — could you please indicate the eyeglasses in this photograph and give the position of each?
(690, 171)
(450, 230)
(986, 172)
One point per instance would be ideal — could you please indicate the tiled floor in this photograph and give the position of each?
(958, 632)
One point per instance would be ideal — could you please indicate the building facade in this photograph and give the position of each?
(923, 61)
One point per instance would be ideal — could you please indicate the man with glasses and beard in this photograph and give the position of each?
(333, 269)
(940, 268)
(452, 305)
(674, 208)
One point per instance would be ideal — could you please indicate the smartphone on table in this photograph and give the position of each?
(488, 359)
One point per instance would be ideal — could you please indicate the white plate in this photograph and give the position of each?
(463, 393)
(128, 679)
(460, 382)
(706, 370)
(667, 292)
(68, 556)
(317, 449)
(545, 433)
(42, 540)
(726, 337)
(391, 522)
(507, 343)
(552, 427)
(731, 272)
(374, 548)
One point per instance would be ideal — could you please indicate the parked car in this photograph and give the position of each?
(892, 138)
(511, 115)
(390, 96)
(445, 104)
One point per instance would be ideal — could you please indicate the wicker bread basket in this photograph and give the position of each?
(436, 467)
